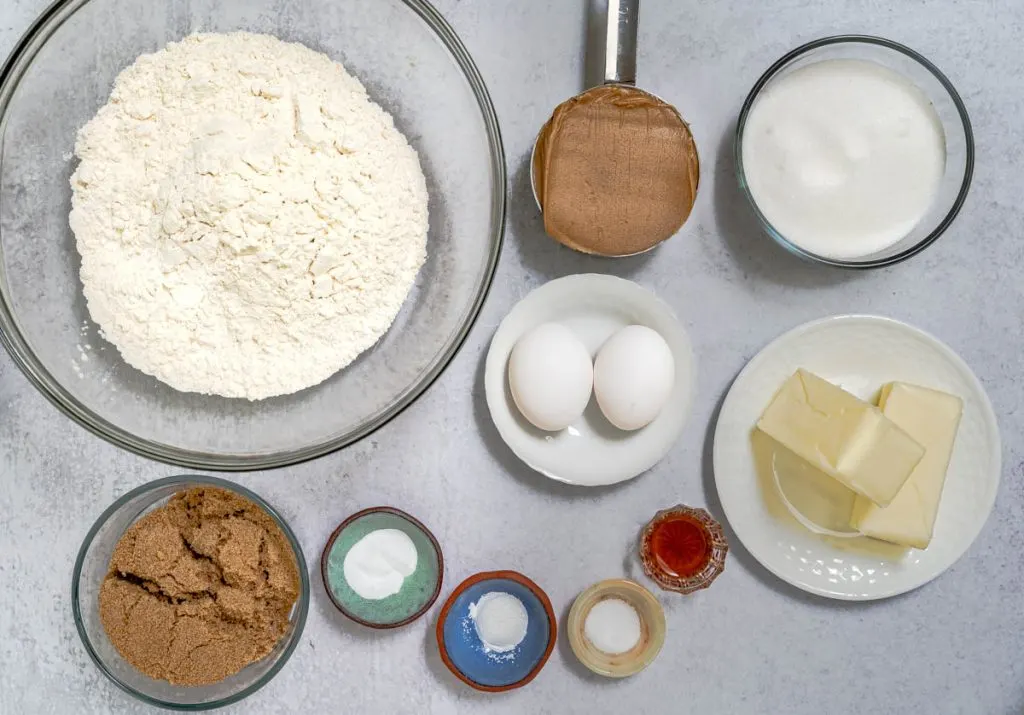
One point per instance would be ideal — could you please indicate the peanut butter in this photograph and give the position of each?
(616, 171)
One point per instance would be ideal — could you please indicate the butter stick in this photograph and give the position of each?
(843, 436)
(932, 418)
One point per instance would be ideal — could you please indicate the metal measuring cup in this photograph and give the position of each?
(620, 40)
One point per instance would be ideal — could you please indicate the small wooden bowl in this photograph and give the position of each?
(402, 608)
(652, 628)
(462, 651)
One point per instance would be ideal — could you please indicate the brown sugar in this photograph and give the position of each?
(199, 588)
(616, 171)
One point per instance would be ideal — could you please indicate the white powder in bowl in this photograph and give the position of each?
(377, 565)
(612, 626)
(501, 621)
(249, 221)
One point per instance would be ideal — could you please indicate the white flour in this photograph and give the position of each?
(248, 220)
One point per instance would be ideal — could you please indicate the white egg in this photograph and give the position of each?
(551, 376)
(633, 377)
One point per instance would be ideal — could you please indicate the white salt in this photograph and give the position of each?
(613, 626)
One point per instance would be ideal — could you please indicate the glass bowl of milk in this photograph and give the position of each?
(854, 151)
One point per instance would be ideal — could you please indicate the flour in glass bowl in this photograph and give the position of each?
(249, 221)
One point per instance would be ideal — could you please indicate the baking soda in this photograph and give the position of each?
(500, 620)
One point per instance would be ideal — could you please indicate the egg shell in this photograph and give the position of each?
(551, 376)
(633, 377)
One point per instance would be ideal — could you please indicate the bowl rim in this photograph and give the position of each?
(577, 620)
(522, 580)
(12, 72)
(965, 120)
(325, 558)
(184, 481)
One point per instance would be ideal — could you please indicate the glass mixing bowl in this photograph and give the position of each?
(956, 125)
(91, 569)
(411, 63)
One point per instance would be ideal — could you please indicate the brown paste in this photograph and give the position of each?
(199, 588)
(616, 171)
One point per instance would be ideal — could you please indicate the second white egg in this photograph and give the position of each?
(633, 377)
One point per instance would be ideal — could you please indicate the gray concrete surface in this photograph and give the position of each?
(750, 644)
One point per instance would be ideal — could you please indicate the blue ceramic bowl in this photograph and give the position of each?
(464, 653)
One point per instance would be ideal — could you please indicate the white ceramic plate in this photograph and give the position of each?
(591, 451)
(859, 353)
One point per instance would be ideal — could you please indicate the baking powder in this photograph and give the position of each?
(377, 565)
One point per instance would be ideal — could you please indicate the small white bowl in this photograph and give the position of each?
(591, 451)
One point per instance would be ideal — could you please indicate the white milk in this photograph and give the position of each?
(843, 157)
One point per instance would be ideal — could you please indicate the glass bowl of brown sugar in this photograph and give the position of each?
(190, 593)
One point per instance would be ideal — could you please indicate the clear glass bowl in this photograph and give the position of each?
(412, 64)
(91, 568)
(951, 111)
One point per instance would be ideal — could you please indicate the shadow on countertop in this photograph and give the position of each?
(441, 672)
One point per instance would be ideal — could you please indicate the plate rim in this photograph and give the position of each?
(985, 406)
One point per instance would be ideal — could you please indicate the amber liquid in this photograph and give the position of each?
(681, 546)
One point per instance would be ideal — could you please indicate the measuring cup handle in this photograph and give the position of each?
(620, 42)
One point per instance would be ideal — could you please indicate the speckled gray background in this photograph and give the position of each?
(749, 645)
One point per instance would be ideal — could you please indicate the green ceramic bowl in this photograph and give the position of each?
(419, 591)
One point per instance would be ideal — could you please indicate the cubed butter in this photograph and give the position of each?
(932, 418)
(843, 436)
